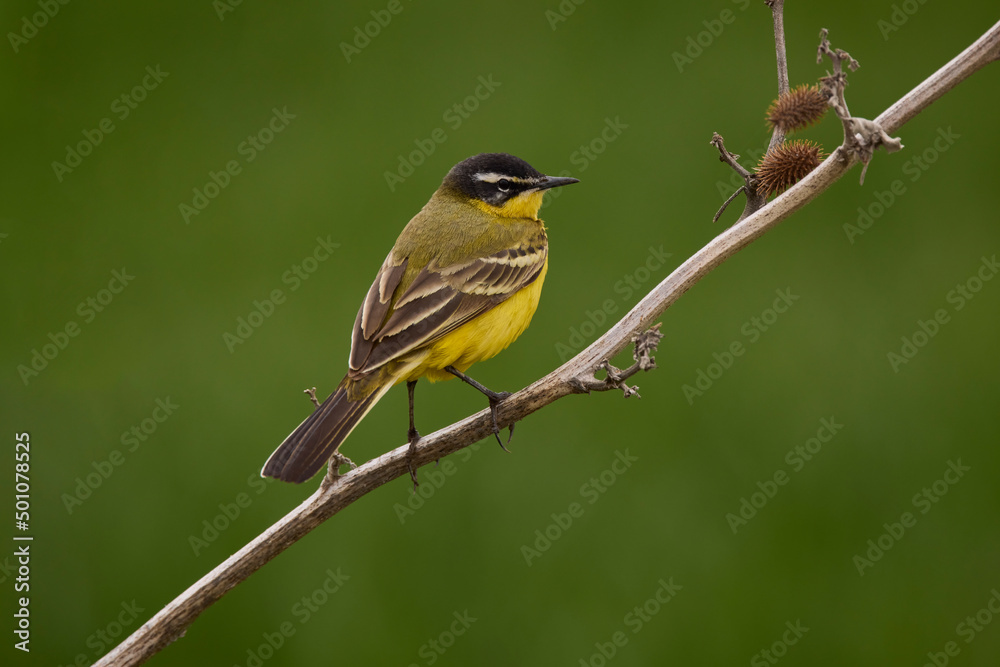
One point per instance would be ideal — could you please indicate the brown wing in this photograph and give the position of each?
(437, 301)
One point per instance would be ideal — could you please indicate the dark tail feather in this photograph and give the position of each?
(316, 439)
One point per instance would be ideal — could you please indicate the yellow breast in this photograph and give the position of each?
(483, 337)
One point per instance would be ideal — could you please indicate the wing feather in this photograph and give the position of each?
(374, 309)
(437, 301)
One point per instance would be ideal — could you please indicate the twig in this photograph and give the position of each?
(171, 622)
(645, 344)
(754, 200)
(862, 137)
(757, 200)
(333, 469)
(311, 391)
(725, 204)
(729, 158)
(777, 16)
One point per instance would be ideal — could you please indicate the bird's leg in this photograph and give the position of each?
(412, 435)
(494, 398)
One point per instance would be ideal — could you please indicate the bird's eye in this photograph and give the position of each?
(503, 184)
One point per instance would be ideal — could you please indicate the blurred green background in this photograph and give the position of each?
(130, 546)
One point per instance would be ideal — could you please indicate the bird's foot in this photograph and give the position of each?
(413, 437)
(495, 398)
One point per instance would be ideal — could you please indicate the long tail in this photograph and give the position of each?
(316, 439)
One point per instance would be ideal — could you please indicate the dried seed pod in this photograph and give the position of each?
(786, 165)
(797, 109)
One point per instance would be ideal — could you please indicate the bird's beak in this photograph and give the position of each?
(555, 182)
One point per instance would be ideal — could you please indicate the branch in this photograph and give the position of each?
(645, 344)
(861, 136)
(172, 621)
(777, 16)
(757, 200)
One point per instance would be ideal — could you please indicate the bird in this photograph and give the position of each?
(461, 283)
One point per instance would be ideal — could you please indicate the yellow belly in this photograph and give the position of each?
(481, 338)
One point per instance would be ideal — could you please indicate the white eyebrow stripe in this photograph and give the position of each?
(493, 177)
(490, 177)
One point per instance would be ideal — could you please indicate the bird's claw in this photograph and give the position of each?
(494, 401)
(414, 437)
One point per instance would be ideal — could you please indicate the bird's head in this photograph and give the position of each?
(502, 185)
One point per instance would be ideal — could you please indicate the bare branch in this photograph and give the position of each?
(727, 157)
(756, 200)
(645, 344)
(311, 391)
(862, 137)
(725, 204)
(171, 622)
(777, 15)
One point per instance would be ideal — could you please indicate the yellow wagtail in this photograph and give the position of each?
(459, 286)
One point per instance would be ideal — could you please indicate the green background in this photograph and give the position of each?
(656, 185)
